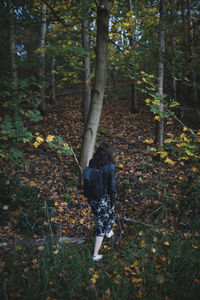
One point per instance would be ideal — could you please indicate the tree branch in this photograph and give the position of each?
(57, 17)
(132, 38)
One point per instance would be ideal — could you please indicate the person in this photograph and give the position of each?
(103, 209)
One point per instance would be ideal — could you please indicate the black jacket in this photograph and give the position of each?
(109, 181)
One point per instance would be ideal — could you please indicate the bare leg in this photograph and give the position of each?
(98, 242)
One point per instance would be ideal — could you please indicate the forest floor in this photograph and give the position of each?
(154, 256)
(141, 180)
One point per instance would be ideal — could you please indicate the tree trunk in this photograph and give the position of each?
(174, 89)
(133, 85)
(12, 44)
(134, 97)
(53, 82)
(86, 77)
(191, 37)
(159, 128)
(99, 83)
(42, 59)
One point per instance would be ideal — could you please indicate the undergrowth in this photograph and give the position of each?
(154, 259)
(147, 263)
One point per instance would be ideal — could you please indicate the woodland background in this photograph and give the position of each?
(75, 74)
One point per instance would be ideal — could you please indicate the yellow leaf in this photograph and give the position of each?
(163, 154)
(188, 152)
(157, 118)
(147, 100)
(126, 52)
(169, 122)
(36, 144)
(143, 243)
(170, 134)
(94, 278)
(194, 169)
(135, 264)
(166, 243)
(169, 161)
(49, 138)
(167, 141)
(139, 82)
(148, 141)
(174, 104)
(136, 280)
(127, 268)
(195, 246)
(39, 139)
(121, 166)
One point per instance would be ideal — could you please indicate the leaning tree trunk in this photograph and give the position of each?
(42, 105)
(99, 83)
(12, 44)
(133, 85)
(159, 129)
(86, 62)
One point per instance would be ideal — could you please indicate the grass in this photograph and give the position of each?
(145, 264)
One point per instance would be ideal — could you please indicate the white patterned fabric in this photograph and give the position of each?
(103, 213)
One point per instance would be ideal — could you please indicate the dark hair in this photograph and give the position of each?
(102, 157)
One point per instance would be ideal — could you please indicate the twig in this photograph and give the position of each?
(135, 221)
(177, 119)
(155, 211)
(76, 159)
(43, 241)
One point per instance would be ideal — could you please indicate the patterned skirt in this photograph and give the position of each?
(103, 213)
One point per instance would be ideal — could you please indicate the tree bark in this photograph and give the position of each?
(99, 83)
(174, 89)
(86, 77)
(12, 44)
(191, 39)
(53, 82)
(42, 58)
(159, 128)
(133, 85)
